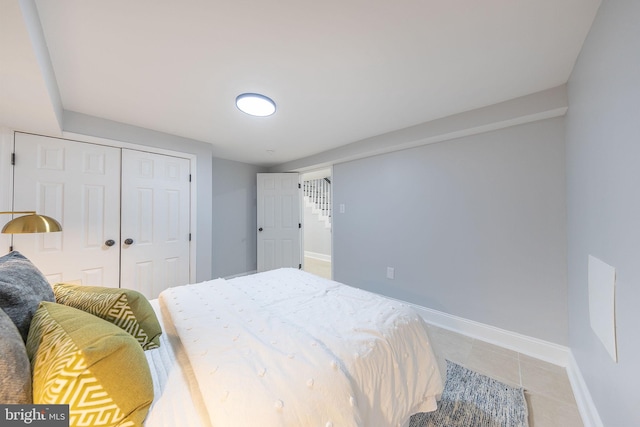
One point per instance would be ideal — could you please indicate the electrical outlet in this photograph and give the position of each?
(391, 273)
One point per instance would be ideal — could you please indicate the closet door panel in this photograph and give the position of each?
(156, 218)
(79, 185)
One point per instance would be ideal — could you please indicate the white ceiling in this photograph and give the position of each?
(25, 103)
(340, 71)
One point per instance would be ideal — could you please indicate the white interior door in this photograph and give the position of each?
(155, 221)
(279, 225)
(79, 185)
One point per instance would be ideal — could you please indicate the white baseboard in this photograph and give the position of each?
(318, 256)
(534, 347)
(586, 406)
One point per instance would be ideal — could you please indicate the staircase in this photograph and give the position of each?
(317, 195)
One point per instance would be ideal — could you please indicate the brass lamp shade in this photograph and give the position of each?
(31, 223)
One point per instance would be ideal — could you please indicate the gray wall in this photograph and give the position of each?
(234, 218)
(474, 227)
(603, 181)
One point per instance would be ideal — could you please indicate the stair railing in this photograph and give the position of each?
(319, 193)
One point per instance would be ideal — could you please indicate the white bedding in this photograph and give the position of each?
(286, 348)
(177, 401)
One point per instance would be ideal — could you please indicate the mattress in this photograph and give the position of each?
(287, 348)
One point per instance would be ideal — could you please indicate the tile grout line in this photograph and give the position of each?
(520, 371)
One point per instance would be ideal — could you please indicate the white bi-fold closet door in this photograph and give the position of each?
(125, 213)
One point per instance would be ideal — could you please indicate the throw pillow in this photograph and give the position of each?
(15, 369)
(126, 308)
(96, 368)
(22, 287)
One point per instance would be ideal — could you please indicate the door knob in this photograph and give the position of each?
(260, 229)
(128, 242)
(110, 242)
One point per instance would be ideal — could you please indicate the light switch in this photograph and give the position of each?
(391, 273)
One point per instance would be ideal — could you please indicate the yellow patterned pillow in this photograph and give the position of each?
(126, 308)
(95, 367)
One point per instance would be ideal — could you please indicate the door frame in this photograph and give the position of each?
(6, 183)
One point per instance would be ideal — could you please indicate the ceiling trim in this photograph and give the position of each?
(41, 51)
(526, 109)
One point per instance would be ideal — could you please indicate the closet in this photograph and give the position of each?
(125, 213)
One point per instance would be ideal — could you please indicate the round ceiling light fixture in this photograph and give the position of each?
(255, 104)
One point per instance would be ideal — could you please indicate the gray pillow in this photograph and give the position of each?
(15, 368)
(22, 287)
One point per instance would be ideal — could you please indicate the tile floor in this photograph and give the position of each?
(547, 389)
(317, 267)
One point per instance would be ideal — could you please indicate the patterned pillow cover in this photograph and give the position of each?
(22, 287)
(96, 368)
(15, 369)
(126, 308)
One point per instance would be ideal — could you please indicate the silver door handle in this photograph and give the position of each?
(128, 242)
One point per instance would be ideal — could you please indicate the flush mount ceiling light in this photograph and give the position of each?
(255, 104)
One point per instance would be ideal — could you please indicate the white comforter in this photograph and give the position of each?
(286, 348)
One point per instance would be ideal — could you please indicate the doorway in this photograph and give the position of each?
(317, 219)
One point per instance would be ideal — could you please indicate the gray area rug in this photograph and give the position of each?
(470, 399)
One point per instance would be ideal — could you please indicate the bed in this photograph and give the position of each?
(280, 348)
(287, 348)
